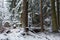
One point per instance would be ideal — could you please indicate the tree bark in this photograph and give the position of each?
(41, 17)
(57, 1)
(54, 19)
(25, 15)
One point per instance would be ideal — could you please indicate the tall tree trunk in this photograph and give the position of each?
(25, 15)
(59, 13)
(41, 17)
(57, 1)
(54, 19)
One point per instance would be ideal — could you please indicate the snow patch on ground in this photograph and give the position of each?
(16, 34)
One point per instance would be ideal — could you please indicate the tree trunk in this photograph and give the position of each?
(41, 17)
(25, 15)
(57, 12)
(54, 19)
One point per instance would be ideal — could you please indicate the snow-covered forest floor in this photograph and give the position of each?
(12, 13)
(17, 34)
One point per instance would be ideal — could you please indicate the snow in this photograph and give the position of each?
(47, 19)
(16, 34)
(19, 3)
